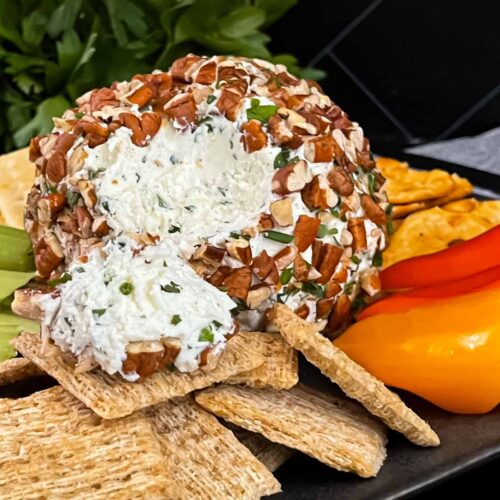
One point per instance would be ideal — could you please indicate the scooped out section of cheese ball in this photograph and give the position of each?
(227, 172)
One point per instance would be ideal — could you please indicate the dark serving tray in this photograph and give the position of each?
(467, 441)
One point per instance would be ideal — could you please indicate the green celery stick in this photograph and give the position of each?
(8, 318)
(7, 333)
(16, 251)
(12, 280)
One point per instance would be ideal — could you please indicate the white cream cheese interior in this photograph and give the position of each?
(124, 298)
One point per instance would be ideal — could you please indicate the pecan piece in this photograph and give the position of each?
(319, 149)
(141, 96)
(324, 307)
(218, 277)
(370, 281)
(341, 314)
(48, 255)
(291, 178)
(282, 135)
(318, 194)
(84, 220)
(284, 257)
(182, 68)
(49, 207)
(240, 250)
(305, 231)
(55, 167)
(181, 108)
(329, 258)
(300, 268)
(265, 223)
(238, 282)
(257, 295)
(254, 137)
(356, 227)
(206, 73)
(282, 212)
(210, 254)
(229, 102)
(340, 181)
(302, 311)
(373, 211)
(262, 265)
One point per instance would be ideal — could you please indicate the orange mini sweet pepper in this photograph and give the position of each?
(447, 352)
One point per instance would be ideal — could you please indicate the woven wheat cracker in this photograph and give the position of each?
(280, 370)
(54, 447)
(13, 370)
(352, 378)
(302, 421)
(112, 396)
(205, 458)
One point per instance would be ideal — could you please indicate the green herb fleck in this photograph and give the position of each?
(105, 205)
(260, 112)
(335, 213)
(72, 198)
(171, 288)
(371, 183)
(324, 231)
(79, 116)
(390, 225)
(174, 229)
(348, 288)
(211, 99)
(98, 312)
(240, 306)
(206, 335)
(377, 260)
(278, 236)
(313, 289)
(355, 259)
(126, 288)
(286, 276)
(162, 202)
(216, 323)
(176, 319)
(59, 281)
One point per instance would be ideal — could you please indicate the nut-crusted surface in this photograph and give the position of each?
(280, 369)
(54, 447)
(113, 397)
(204, 458)
(16, 369)
(352, 378)
(302, 421)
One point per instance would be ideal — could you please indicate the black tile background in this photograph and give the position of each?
(410, 71)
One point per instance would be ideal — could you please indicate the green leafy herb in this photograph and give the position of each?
(390, 225)
(54, 51)
(377, 260)
(171, 288)
(72, 198)
(59, 281)
(211, 99)
(105, 205)
(324, 231)
(240, 306)
(355, 259)
(174, 229)
(216, 323)
(126, 288)
(286, 276)
(313, 289)
(176, 319)
(98, 312)
(349, 287)
(335, 213)
(283, 158)
(278, 236)
(261, 112)
(206, 334)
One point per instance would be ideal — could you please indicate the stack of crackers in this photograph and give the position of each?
(431, 210)
(98, 436)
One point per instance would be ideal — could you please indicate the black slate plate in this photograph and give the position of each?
(467, 440)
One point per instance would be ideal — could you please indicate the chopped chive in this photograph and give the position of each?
(390, 225)
(165, 263)
(313, 289)
(216, 323)
(138, 177)
(281, 158)
(80, 270)
(126, 288)
(348, 288)
(176, 319)
(355, 259)
(174, 229)
(286, 276)
(377, 260)
(105, 205)
(98, 312)
(59, 281)
(240, 306)
(211, 99)
(371, 183)
(171, 288)
(162, 202)
(206, 335)
(279, 237)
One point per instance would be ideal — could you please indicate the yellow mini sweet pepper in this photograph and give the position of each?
(447, 352)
